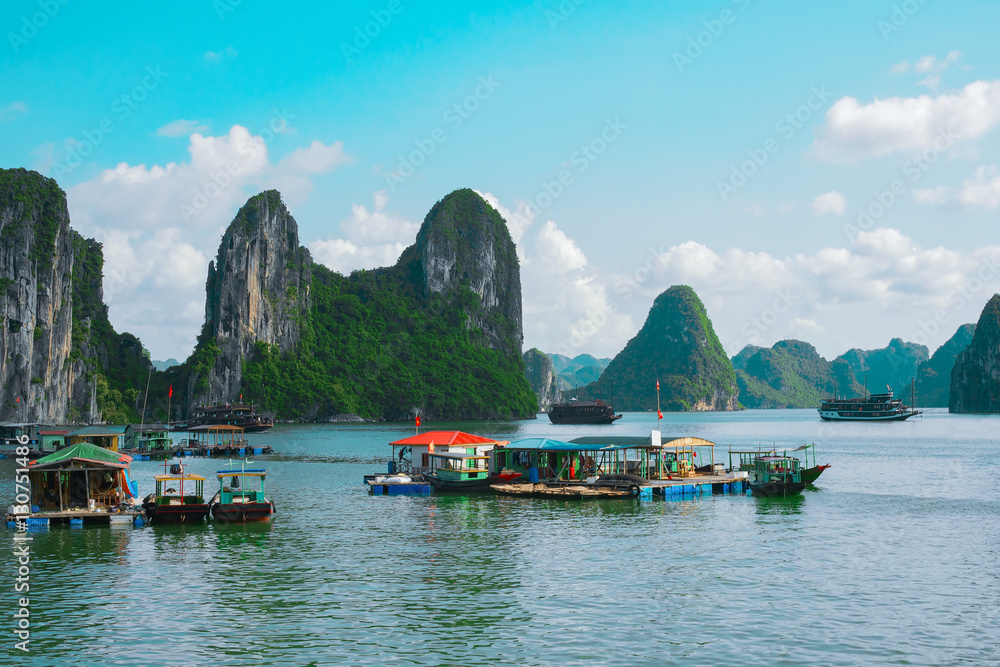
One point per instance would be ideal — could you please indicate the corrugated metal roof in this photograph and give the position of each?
(550, 445)
(100, 431)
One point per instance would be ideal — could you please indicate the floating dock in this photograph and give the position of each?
(73, 518)
(691, 486)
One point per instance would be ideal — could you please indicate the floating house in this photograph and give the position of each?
(10, 432)
(80, 481)
(107, 437)
(146, 437)
(53, 439)
(413, 455)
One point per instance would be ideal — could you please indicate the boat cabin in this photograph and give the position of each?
(179, 488)
(413, 455)
(778, 469)
(81, 476)
(241, 485)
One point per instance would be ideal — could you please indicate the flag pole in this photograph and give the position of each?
(659, 414)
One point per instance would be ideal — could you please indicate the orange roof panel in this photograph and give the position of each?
(445, 438)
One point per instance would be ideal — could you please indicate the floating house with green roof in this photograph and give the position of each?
(81, 478)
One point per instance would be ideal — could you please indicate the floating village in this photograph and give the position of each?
(76, 477)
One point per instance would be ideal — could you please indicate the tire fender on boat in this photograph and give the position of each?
(633, 490)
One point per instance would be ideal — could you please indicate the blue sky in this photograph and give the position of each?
(181, 89)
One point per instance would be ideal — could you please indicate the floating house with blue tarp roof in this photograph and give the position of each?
(108, 437)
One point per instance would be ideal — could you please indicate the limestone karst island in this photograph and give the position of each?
(522, 333)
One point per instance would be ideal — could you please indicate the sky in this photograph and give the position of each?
(814, 170)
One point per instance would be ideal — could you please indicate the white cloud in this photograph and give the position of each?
(12, 111)
(830, 202)
(182, 128)
(853, 131)
(982, 189)
(217, 56)
(374, 238)
(142, 214)
(929, 63)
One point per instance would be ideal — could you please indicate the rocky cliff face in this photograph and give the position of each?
(934, 375)
(542, 378)
(464, 241)
(257, 291)
(42, 377)
(975, 378)
(678, 346)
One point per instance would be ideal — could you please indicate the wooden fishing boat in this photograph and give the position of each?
(464, 472)
(179, 497)
(776, 476)
(241, 496)
(583, 412)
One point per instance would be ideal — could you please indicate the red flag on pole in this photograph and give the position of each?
(418, 420)
(659, 415)
(170, 392)
(657, 384)
(241, 398)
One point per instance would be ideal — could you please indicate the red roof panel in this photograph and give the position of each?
(445, 438)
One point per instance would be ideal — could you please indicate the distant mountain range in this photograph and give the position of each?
(164, 365)
(576, 372)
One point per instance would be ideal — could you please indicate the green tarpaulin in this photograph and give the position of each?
(85, 451)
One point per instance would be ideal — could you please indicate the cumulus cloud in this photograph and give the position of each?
(182, 128)
(13, 111)
(981, 189)
(160, 223)
(852, 131)
(374, 238)
(830, 202)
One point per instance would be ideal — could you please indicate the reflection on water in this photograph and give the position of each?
(898, 539)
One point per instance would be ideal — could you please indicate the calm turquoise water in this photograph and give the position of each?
(895, 558)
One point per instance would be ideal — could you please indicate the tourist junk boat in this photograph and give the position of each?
(179, 497)
(242, 499)
(583, 412)
(237, 414)
(873, 407)
(776, 476)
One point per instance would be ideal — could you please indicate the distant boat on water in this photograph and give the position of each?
(583, 412)
(874, 407)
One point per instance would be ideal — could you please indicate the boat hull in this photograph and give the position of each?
(810, 475)
(175, 513)
(777, 489)
(583, 420)
(242, 512)
(833, 417)
(461, 485)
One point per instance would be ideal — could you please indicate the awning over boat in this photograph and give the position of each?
(632, 441)
(84, 451)
(440, 438)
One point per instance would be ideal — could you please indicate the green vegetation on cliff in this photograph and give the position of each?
(791, 374)
(377, 347)
(677, 346)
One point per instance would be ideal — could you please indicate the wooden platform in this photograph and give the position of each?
(181, 452)
(686, 486)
